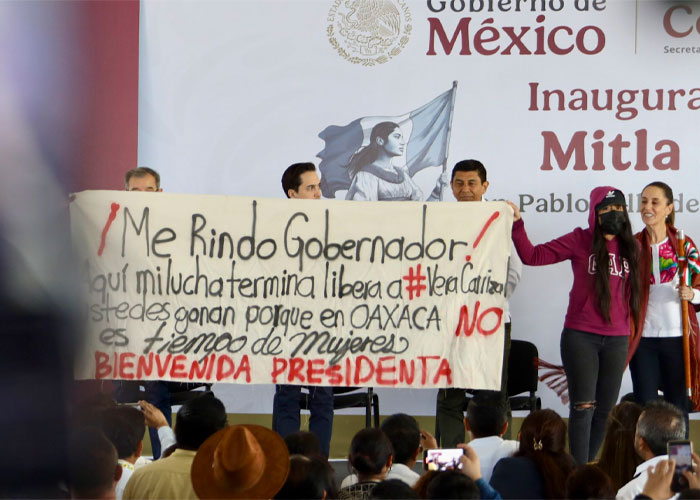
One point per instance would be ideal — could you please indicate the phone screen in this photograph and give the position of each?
(442, 459)
(681, 452)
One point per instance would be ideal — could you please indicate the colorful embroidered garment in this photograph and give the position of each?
(668, 262)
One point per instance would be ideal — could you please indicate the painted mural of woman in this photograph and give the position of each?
(373, 175)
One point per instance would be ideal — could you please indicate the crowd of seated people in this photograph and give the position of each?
(208, 458)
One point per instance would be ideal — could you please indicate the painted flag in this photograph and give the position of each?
(428, 130)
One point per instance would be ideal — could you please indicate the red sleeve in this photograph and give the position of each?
(554, 251)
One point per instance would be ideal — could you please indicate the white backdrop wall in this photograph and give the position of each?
(232, 92)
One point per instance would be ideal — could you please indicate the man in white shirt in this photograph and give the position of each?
(408, 441)
(469, 184)
(125, 427)
(92, 469)
(300, 182)
(659, 423)
(170, 477)
(157, 392)
(486, 422)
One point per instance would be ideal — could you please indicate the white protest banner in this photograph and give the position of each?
(262, 291)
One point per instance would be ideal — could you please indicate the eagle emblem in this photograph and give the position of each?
(368, 32)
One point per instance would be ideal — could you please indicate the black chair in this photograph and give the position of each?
(522, 376)
(350, 397)
(189, 391)
(181, 392)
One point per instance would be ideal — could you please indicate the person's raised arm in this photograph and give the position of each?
(471, 467)
(554, 251)
(156, 420)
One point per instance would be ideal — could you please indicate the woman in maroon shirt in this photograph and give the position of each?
(604, 297)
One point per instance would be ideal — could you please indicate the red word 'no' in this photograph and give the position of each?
(477, 320)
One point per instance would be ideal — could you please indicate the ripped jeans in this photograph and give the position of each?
(594, 365)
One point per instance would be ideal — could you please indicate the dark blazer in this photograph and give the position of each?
(517, 477)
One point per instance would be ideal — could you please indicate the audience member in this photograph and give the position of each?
(303, 443)
(541, 465)
(487, 422)
(589, 481)
(405, 436)
(451, 484)
(169, 477)
(86, 412)
(452, 487)
(93, 471)
(470, 468)
(391, 489)
(408, 441)
(618, 457)
(309, 477)
(371, 458)
(421, 486)
(125, 427)
(243, 461)
(659, 423)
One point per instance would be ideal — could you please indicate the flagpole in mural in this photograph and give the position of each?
(449, 134)
(376, 157)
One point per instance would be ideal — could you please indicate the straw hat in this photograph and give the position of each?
(242, 461)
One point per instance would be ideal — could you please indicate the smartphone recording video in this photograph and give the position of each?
(681, 452)
(442, 459)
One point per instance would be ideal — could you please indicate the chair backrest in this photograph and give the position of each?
(346, 390)
(522, 367)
